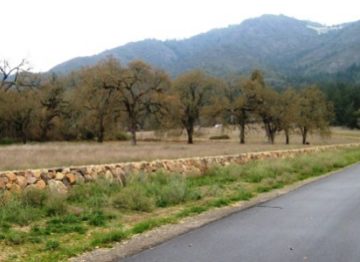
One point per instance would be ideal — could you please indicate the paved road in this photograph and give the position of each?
(318, 222)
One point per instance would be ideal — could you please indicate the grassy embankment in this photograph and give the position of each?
(37, 226)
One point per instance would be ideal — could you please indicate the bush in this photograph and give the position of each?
(220, 137)
(34, 197)
(89, 135)
(122, 136)
(13, 210)
(169, 189)
(56, 205)
(15, 238)
(97, 218)
(7, 141)
(94, 195)
(134, 197)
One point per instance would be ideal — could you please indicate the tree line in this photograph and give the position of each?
(108, 99)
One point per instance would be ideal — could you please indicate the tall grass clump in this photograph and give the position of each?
(134, 197)
(93, 195)
(14, 210)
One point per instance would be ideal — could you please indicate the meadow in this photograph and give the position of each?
(153, 145)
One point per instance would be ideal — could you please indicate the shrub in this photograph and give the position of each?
(34, 197)
(13, 210)
(94, 195)
(56, 205)
(219, 137)
(122, 136)
(7, 141)
(134, 197)
(15, 238)
(170, 189)
(98, 218)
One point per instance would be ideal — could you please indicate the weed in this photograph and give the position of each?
(34, 197)
(191, 211)
(134, 197)
(151, 223)
(101, 238)
(56, 205)
(52, 245)
(94, 195)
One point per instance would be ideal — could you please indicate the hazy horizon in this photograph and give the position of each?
(47, 33)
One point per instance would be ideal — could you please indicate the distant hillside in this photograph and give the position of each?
(281, 46)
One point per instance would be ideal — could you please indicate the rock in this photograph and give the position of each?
(57, 187)
(109, 176)
(59, 176)
(14, 188)
(37, 173)
(51, 174)
(11, 176)
(21, 181)
(45, 176)
(71, 178)
(30, 178)
(2, 183)
(88, 178)
(79, 178)
(40, 184)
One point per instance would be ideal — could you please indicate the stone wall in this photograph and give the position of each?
(60, 179)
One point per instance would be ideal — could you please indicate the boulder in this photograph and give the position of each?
(79, 178)
(14, 187)
(11, 176)
(40, 184)
(109, 176)
(37, 173)
(57, 187)
(71, 178)
(21, 181)
(59, 176)
(2, 183)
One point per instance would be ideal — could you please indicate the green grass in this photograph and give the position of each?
(38, 226)
(101, 239)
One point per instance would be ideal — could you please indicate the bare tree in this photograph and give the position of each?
(9, 75)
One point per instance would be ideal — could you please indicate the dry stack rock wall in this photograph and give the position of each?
(60, 179)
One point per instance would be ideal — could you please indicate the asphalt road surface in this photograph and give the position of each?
(319, 222)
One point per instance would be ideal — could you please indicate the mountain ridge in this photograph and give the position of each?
(279, 45)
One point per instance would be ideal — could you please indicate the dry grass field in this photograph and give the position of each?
(55, 154)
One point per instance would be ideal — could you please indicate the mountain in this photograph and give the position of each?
(281, 46)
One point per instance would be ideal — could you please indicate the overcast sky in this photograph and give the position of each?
(48, 32)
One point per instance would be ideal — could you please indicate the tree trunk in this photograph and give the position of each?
(23, 136)
(304, 135)
(242, 132)
(133, 133)
(287, 136)
(133, 137)
(267, 131)
(272, 136)
(43, 135)
(101, 130)
(190, 132)
(24, 139)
